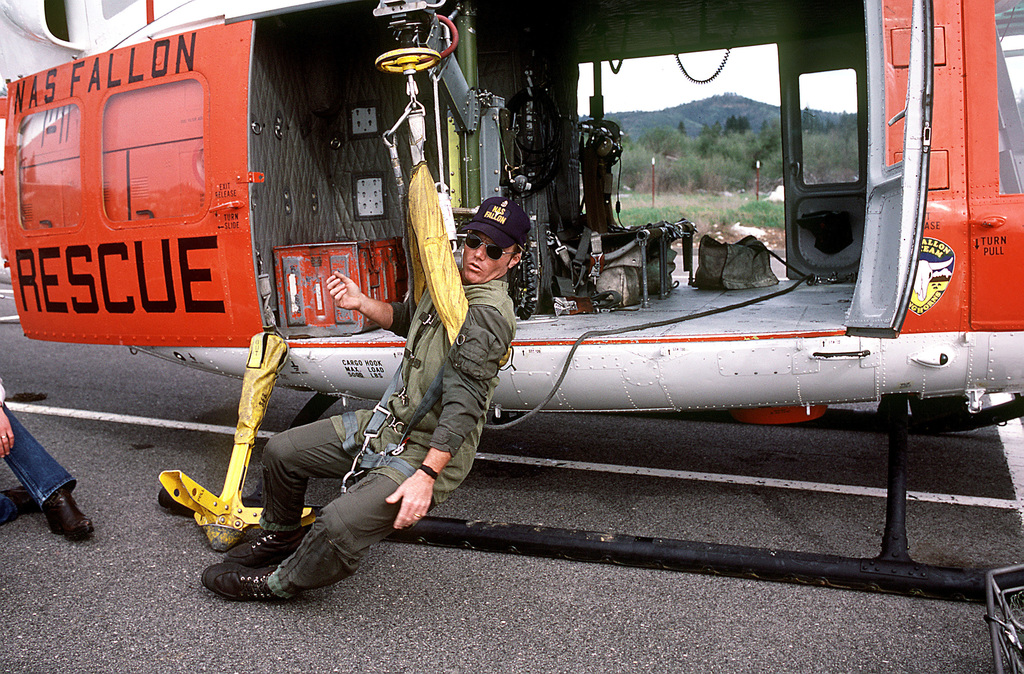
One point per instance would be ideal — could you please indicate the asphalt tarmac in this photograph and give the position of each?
(129, 599)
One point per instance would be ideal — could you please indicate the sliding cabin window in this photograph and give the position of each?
(831, 150)
(112, 8)
(153, 153)
(1010, 78)
(50, 169)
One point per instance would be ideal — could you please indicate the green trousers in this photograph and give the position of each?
(344, 529)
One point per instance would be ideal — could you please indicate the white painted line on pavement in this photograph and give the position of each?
(742, 480)
(125, 419)
(1012, 436)
(847, 490)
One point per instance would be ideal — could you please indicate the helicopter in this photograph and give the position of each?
(181, 177)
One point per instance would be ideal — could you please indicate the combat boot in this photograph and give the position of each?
(239, 583)
(269, 549)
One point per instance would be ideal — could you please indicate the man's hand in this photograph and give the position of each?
(345, 292)
(347, 295)
(415, 494)
(7, 434)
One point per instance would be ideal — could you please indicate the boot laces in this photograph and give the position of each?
(255, 586)
(270, 538)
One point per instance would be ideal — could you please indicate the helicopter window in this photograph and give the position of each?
(1010, 78)
(111, 8)
(829, 127)
(50, 169)
(153, 153)
(56, 18)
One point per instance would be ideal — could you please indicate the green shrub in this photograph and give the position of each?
(763, 214)
(703, 210)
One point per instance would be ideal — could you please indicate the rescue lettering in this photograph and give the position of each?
(147, 61)
(119, 277)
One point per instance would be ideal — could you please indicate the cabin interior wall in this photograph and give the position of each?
(536, 57)
(319, 157)
(536, 53)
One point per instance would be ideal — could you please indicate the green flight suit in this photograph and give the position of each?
(347, 526)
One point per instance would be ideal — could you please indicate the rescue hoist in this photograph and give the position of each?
(430, 233)
(430, 223)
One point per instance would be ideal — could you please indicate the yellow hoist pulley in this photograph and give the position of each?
(408, 59)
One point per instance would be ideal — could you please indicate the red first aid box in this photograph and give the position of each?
(306, 308)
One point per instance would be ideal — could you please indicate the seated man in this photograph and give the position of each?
(285, 560)
(46, 485)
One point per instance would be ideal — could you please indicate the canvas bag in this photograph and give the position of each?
(733, 266)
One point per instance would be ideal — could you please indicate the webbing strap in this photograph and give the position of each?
(371, 460)
(582, 255)
(351, 425)
(430, 398)
(380, 410)
(389, 457)
(365, 459)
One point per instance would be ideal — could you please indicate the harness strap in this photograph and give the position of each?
(351, 424)
(430, 398)
(371, 460)
(366, 459)
(416, 362)
(380, 410)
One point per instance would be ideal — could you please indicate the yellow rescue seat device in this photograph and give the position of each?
(223, 518)
(433, 264)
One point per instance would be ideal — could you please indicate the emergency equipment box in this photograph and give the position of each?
(307, 309)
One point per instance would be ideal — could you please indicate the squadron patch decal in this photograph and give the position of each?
(934, 271)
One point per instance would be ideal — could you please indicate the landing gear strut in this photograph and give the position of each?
(892, 571)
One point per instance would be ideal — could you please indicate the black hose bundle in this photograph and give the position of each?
(523, 286)
(538, 137)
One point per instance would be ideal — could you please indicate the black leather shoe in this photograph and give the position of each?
(64, 517)
(239, 583)
(22, 500)
(269, 549)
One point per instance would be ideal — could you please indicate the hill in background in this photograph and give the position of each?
(698, 114)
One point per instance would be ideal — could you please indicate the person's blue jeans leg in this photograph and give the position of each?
(34, 467)
(8, 511)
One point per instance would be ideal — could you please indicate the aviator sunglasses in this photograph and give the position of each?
(494, 251)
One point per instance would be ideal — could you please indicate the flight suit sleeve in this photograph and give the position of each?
(482, 343)
(402, 318)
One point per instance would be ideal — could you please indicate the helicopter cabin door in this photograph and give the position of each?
(896, 190)
(996, 163)
(127, 210)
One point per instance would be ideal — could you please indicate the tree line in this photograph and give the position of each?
(721, 158)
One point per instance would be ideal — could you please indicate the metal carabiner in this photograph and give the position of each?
(396, 164)
(352, 472)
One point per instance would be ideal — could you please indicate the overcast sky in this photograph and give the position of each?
(656, 83)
